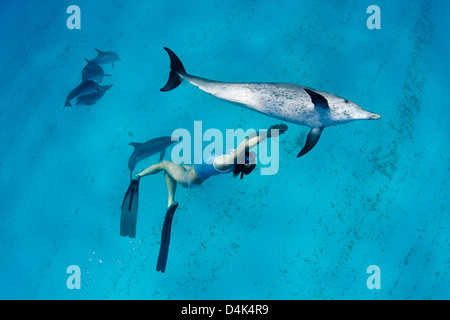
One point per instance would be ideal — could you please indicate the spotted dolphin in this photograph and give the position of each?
(149, 148)
(288, 102)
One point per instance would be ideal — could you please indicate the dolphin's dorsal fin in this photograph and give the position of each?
(99, 51)
(311, 140)
(163, 153)
(318, 100)
(135, 144)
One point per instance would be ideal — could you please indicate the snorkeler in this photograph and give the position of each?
(240, 161)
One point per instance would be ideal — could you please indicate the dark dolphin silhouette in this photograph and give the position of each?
(93, 98)
(86, 87)
(103, 57)
(149, 148)
(93, 72)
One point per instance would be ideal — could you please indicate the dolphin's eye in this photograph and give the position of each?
(346, 101)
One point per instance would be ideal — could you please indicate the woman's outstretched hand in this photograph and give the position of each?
(282, 128)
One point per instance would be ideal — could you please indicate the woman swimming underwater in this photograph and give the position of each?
(239, 161)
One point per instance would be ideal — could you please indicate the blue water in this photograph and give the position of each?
(369, 193)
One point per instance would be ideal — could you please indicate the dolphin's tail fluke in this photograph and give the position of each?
(176, 72)
(133, 160)
(67, 104)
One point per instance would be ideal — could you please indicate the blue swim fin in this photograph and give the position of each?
(165, 238)
(128, 217)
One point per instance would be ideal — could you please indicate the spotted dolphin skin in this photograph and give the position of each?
(287, 102)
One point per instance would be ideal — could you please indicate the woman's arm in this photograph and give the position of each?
(249, 142)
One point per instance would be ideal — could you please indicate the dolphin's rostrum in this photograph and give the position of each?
(288, 102)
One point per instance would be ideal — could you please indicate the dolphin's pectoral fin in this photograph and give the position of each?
(162, 154)
(318, 100)
(311, 140)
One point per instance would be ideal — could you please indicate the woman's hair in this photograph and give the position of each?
(242, 169)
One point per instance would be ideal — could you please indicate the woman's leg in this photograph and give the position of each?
(156, 168)
(175, 171)
(171, 188)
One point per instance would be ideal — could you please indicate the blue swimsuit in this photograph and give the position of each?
(207, 170)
